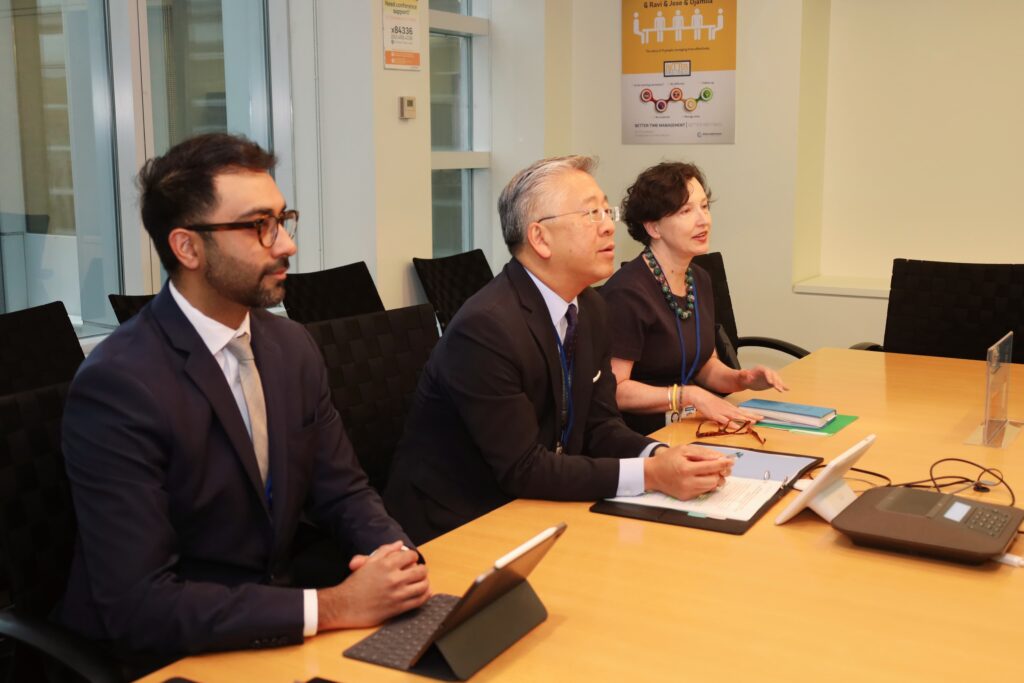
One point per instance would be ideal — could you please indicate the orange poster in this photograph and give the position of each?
(678, 71)
(401, 25)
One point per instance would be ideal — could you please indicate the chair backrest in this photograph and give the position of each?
(955, 310)
(37, 520)
(726, 336)
(332, 293)
(450, 280)
(373, 365)
(127, 305)
(38, 347)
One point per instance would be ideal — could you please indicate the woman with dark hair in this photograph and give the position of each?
(662, 313)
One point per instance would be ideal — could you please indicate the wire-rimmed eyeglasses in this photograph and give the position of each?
(709, 428)
(266, 228)
(595, 215)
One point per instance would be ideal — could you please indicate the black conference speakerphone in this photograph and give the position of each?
(930, 523)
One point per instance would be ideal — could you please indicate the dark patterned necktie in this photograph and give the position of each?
(570, 334)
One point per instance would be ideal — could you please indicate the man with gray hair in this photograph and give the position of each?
(518, 397)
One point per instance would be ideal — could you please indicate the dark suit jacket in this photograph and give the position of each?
(178, 551)
(486, 414)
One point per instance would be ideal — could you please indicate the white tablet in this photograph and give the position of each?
(828, 494)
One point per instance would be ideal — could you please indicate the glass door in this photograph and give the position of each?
(208, 69)
(58, 212)
(64, 207)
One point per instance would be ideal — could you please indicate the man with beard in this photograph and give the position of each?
(197, 434)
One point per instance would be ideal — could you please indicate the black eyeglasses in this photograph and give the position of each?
(266, 228)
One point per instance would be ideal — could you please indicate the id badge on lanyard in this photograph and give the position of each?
(673, 416)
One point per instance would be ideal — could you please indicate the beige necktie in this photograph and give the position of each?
(252, 390)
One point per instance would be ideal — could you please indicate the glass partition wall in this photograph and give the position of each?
(58, 213)
(62, 221)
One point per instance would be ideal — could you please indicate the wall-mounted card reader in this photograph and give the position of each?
(406, 107)
(930, 523)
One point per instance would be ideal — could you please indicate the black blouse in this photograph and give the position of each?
(643, 330)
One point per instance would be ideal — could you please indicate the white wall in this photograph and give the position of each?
(518, 125)
(403, 169)
(788, 206)
(924, 137)
(754, 181)
(362, 174)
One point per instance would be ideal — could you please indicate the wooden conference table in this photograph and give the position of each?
(630, 600)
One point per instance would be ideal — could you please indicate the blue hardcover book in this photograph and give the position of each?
(790, 413)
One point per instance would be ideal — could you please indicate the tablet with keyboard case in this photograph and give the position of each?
(452, 637)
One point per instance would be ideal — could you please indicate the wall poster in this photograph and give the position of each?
(401, 25)
(678, 72)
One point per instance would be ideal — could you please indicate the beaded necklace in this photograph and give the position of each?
(681, 313)
(666, 290)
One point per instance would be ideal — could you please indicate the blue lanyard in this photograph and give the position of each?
(685, 377)
(566, 415)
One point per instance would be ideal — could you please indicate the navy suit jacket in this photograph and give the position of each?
(178, 550)
(485, 420)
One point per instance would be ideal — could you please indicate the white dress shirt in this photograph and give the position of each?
(216, 336)
(631, 470)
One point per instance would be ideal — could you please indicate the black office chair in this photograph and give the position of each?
(373, 365)
(127, 305)
(954, 310)
(37, 535)
(727, 339)
(332, 293)
(38, 347)
(450, 280)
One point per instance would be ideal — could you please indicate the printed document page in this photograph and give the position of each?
(756, 477)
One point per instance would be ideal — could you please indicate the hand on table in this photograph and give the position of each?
(381, 585)
(760, 378)
(716, 408)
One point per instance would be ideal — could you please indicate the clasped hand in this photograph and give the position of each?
(382, 585)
